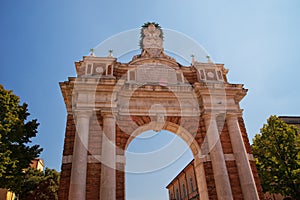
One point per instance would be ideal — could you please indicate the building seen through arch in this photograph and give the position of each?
(184, 185)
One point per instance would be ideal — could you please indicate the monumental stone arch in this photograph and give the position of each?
(110, 103)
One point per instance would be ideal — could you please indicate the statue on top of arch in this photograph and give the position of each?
(151, 36)
(151, 41)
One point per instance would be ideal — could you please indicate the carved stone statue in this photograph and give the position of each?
(151, 40)
(152, 37)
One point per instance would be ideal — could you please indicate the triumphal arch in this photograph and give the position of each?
(109, 103)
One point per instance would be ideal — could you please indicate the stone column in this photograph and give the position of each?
(79, 159)
(217, 158)
(241, 158)
(108, 159)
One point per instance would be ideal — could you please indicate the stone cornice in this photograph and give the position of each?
(93, 159)
(228, 157)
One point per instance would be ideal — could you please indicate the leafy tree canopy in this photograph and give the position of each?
(38, 185)
(277, 157)
(15, 138)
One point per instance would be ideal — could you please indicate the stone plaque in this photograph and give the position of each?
(152, 73)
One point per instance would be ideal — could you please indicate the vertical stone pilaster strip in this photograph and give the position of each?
(222, 182)
(187, 185)
(179, 188)
(201, 179)
(77, 189)
(108, 159)
(242, 161)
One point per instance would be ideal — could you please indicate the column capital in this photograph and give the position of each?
(108, 114)
(231, 115)
(209, 115)
(212, 115)
(83, 113)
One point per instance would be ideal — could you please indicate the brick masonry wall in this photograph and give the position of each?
(93, 181)
(65, 175)
(234, 180)
(121, 140)
(95, 135)
(257, 180)
(69, 136)
(63, 191)
(224, 136)
(252, 163)
(209, 175)
(245, 135)
(201, 132)
(120, 182)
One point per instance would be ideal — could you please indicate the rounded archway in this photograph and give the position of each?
(154, 158)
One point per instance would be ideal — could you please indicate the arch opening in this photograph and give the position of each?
(153, 159)
(183, 150)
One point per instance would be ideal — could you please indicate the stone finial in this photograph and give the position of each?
(193, 59)
(110, 55)
(92, 50)
(208, 59)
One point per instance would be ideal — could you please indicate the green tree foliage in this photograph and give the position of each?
(15, 137)
(38, 185)
(277, 157)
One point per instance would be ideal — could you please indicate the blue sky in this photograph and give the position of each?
(258, 41)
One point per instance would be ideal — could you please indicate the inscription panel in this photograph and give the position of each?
(152, 73)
